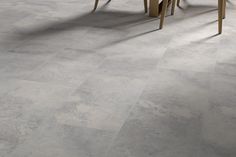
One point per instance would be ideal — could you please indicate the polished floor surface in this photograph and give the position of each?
(110, 84)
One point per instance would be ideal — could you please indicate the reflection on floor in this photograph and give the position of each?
(110, 84)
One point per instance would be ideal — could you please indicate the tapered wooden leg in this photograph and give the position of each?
(173, 7)
(224, 8)
(178, 3)
(163, 13)
(153, 8)
(145, 6)
(95, 5)
(220, 15)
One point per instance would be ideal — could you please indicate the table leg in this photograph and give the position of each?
(154, 7)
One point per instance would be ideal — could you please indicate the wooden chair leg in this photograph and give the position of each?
(178, 3)
(95, 5)
(163, 13)
(145, 6)
(220, 15)
(224, 8)
(153, 8)
(173, 7)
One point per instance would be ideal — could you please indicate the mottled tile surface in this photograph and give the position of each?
(110, 84)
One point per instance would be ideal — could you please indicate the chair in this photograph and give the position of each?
(221, 13)
(145, 5)
(164, 5)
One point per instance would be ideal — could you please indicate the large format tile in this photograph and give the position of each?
(68, 68)
(102, 102)
(44, 95)
(191, 57)
(64, 140)
(175, 118)
(19, 66)
(111, 84)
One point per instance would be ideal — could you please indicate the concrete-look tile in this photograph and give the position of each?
(12, 15)
(96, 38)
(17, 122)
(60, 38)
(40, 51)
(223, 90)
(137, 45)
(68, 68)
(91, 116)
(8, 41)
(167, 121)
(130, 65)
(226, 69)
(104, 101)
(178, 91)
(13, 107)
(41, 93)
(9, 138)
(110, 84)
(226, 53)
(7, 85)
(149, 132)
(190, 57)
(226, 57)
(218, 129)
(63, 140)
(18, 65)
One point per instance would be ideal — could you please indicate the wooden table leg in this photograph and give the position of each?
(163, 13)
(220, 15)
(154, 7)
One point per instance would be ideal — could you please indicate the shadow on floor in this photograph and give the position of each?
(109, 20)
(98, 19)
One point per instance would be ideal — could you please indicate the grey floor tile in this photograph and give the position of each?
(111, 84)
(63, 140)
(193, 57)
(175, 118)
(14, 65)
(68, 68)
(41, 92)
(104, 101)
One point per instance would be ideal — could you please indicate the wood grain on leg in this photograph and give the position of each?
(163, 13)
(173, 7)
(145, 6)
(220, 16)
(178, 3)
(224, 8)
(153, 8)
(95, 5)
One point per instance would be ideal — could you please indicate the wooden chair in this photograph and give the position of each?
(145, 5)
(164, 10)
(221, 13)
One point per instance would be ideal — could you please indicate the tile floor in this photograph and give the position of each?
(110, 84)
